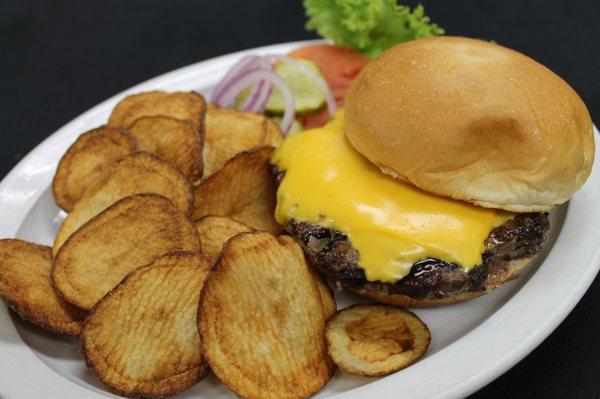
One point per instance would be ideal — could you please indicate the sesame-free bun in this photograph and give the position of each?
(474, 121)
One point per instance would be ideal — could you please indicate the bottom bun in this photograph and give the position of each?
(508, 273)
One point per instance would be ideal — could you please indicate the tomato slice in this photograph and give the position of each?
(339, 65)
(314, 119)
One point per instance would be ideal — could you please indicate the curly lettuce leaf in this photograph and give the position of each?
(369, 26)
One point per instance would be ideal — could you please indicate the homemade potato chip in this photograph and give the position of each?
(132, 174)
(131, 233)
(274, 135)
(244, 190)
(376, 340)
(325, 293)
(141, 339)
(229, 131)
(81, 164)
(187, 106)
(214, 232)
(26, 288)
(175, 140)
(261, 320)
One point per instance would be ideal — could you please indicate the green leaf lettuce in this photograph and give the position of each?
(369, 26)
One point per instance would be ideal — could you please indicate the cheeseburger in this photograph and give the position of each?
(434, 184)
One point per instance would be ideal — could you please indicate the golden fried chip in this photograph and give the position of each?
(175, 140)
(261, 320)
(81, 164)
(141, 338)
(376, 340)
(244, 190)
(132, 174)
(229, 132)
(131, 233)
(186, 106)
(214, 232)
(26, 288)
(274, 135)
(325, 293)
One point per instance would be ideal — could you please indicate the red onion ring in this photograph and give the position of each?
(258, 71)
(261, 104)
(228, 96)
(253, 97)
(239, 68)
(255, 100)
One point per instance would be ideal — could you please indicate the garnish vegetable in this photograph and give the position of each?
(369, 26)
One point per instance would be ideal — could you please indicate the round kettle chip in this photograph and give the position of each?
(376, 340)
(132, 174)
(130, 234)
(262, 321)
(26, 288)
(141, 339)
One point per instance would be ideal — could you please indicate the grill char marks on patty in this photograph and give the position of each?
(518, 238)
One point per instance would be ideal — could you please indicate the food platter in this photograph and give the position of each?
(472, 343)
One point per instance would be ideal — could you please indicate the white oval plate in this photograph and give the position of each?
(472, 343)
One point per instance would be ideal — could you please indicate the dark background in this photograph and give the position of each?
(59, 58)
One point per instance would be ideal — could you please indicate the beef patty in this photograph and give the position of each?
(332, 253)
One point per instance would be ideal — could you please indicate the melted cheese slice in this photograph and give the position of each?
(392, 224)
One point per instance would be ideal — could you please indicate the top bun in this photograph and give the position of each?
(474, 121)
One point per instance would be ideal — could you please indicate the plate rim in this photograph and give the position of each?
(20, 190)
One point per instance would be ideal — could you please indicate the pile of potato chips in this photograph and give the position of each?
(170, 262)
